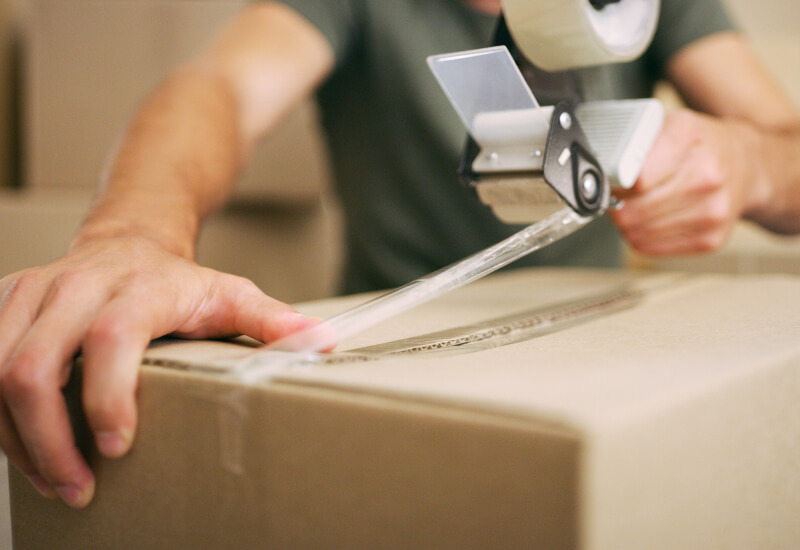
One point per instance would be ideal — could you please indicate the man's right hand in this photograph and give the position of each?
(108, 298)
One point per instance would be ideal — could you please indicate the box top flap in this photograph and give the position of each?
(670, 338)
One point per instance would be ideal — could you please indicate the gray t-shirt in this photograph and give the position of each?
(395, 141)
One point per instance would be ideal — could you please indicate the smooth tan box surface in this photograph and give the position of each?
(671, 420)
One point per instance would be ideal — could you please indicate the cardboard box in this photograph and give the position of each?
(89, 63)
(630, 412)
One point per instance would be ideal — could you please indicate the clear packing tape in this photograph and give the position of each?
(327, 334)
(558, 35)
(264, 365)
(301, 349)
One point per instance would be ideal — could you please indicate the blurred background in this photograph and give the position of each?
(71, 72)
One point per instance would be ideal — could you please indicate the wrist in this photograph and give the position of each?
(759, 191)
(172, 227)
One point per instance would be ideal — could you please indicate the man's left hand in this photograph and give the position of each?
(698, 180)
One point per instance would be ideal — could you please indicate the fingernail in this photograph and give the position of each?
(114, 444)
(296, 316)
(44, 488)
(293, 321)
(74, 496)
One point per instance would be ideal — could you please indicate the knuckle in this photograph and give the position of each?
(242, 284)
(25, 379)
(634, 240)
(627, 220)
(719, 211)
(28, 279)
(620, 218)
(629, 236)
(19, 284)
(711, 241)
(631, 219)
(58, 466)
(238, 291)
(716, 213)
(642, 247)
(69, 280)
(714, 175)
(107, 328)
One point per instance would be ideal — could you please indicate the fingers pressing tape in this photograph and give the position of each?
(237, 306)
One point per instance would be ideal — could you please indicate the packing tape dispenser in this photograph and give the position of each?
(527, 161)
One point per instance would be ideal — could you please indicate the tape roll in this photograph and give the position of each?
(558, 35)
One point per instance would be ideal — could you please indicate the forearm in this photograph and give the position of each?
(176, 161)
(180, 155)
(778, 157)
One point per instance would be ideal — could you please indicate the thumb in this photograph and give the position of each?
(235, 306)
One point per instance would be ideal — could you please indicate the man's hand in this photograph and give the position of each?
(706, 172)
(698, 181)
(127, 278)
(108, 298)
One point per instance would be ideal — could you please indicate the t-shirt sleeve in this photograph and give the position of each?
(683, 22)
(337, 20)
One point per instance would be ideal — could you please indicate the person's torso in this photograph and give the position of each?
(395, 143)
